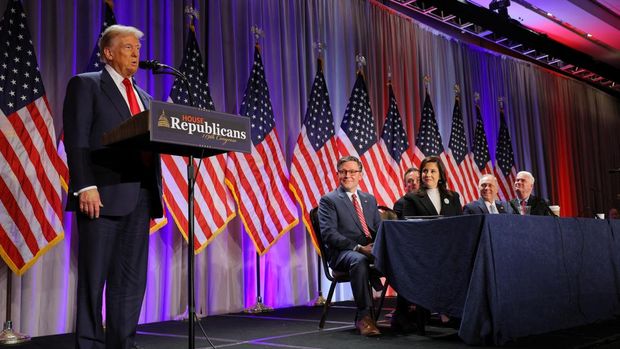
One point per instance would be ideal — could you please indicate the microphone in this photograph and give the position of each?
(150, 65)
(161, 68)
(614, 170)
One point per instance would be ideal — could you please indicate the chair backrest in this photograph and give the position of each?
(387, 214)
(314, 219)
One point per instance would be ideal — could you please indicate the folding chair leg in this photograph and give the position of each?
(327, 304)
(385, 288)
(372, 303)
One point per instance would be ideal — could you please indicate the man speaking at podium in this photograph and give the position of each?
(114, 192)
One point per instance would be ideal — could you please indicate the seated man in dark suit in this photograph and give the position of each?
(526, 203)
(487, 203)
(411, 182)
(349, 220)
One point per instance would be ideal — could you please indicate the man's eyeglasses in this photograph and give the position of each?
(348, 172)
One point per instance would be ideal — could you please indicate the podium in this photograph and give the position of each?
(175, 129)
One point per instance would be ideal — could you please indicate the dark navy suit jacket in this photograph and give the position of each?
(538, 206)
(480, 207)
(93, 105)
(341, 228)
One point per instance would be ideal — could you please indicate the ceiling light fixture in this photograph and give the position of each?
(500, 6)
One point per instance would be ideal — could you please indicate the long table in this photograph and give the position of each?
(505, 276)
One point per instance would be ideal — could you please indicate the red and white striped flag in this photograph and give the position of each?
(213, 204)
(30, 166)
(259, 180)
(505, 170)
(313, 169)
(396, 155)
(460, 168)
(64, 173)
(357, 137)
(480, 153)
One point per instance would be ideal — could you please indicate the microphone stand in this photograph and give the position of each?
(161, 68)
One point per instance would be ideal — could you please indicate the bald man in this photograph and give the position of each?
(488, 202)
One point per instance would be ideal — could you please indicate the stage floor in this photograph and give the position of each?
(297, 327)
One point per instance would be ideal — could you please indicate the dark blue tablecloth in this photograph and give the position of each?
(505, 276)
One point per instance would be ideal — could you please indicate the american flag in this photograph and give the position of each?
(459, 166)
(428, 142)
(505, 170)
(480, 153)
(108, 19)
(313, 169)
(30, 167)
(213, 204)
(396, 154)
(259, 180)
(357, 137)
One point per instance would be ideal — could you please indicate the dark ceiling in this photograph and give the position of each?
(590, 26)
(580, 38)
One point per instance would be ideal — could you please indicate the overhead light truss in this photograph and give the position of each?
(519, 41)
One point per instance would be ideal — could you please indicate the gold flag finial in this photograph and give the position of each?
(193, 16)
(319, 47)
(361, 62)
(258, 32)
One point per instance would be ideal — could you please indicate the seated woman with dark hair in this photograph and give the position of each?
(432, 199)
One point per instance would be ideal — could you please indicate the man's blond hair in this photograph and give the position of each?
(114, 31)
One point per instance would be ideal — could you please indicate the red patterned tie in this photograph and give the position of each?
(134, 107)
(360, 215)
(523, 208)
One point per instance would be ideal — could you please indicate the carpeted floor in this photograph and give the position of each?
(297, 327)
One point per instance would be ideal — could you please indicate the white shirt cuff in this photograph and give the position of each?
(84, 189)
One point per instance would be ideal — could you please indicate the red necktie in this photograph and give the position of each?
(523, 209)
(134, 107)
(360, 215)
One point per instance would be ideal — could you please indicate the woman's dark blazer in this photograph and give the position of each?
(419, 204)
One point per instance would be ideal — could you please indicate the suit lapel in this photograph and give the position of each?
(501, 207)
(111, 91)
(445, 204)
(428, 205)
(531, 200)
(366, 207)
(344, 197)
(143, 97)
(483, 206)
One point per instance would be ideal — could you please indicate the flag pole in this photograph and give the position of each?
(259, 306)
(8, 335)
(320, 300)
